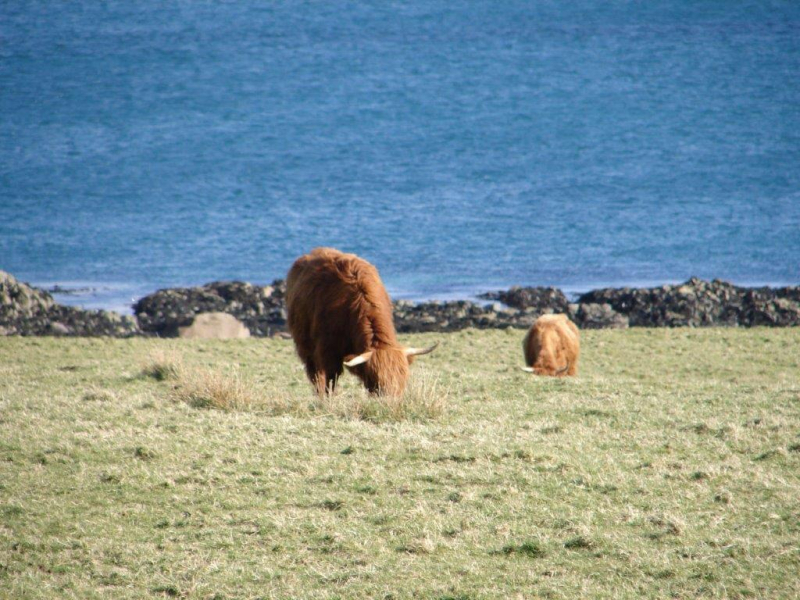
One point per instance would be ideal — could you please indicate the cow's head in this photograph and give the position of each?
(384, 370)
(546, 370)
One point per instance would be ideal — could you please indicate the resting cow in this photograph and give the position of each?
(552, 346)
(340, 315)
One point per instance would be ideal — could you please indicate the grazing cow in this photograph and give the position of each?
(340, 315)
(552, 346)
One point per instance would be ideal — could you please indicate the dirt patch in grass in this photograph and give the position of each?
(529, 549)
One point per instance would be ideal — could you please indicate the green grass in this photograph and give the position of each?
(669, 468)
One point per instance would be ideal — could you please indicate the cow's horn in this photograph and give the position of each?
(420, 351)
(358, 360)
(564, 370)
(527, 369)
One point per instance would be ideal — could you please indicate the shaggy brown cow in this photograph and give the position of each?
(552, 346)
(340, 315)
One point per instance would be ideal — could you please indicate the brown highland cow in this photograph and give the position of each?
(552, 346)
(340, 315)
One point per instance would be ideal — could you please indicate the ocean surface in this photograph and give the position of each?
(459, 146)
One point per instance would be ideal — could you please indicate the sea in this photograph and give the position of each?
(459, 146)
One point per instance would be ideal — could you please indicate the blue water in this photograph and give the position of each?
(460, 146)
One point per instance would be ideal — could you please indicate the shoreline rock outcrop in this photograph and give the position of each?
(695, 303)
(25, 310)
(699, 303)
(543, 299)
(260, 308)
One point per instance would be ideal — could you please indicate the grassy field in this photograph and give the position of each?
(670, 467)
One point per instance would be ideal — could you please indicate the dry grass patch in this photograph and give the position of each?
(227, 388)
(163, 365)
(210, 388)
(223, 388)
(425, 398)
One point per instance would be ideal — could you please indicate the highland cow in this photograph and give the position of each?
(552, 346)
(340, 315)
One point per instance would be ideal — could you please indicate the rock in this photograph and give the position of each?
(25, 310)
(599, 316)
(216, 326)
(57, 289)
(543, 299)
(698, 303)
(261, 309)
(57, 328)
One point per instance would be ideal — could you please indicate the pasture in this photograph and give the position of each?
(670, 467)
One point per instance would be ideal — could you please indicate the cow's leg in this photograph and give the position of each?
(573, 368)
(311, 371)
(316, 376)
(332, 377)
(333, 370)
(320, 382)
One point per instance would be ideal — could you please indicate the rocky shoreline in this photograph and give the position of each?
(28, 311)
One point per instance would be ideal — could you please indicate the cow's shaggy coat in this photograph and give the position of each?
(338, 312)
(552, 346)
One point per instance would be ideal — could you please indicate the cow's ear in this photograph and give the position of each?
(352, 360)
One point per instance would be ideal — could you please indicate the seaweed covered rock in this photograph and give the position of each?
(770, 307)
(598, 316)
(459, 314)
(699, 303)
(260, 308)
(25, 310)
(543, 299)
